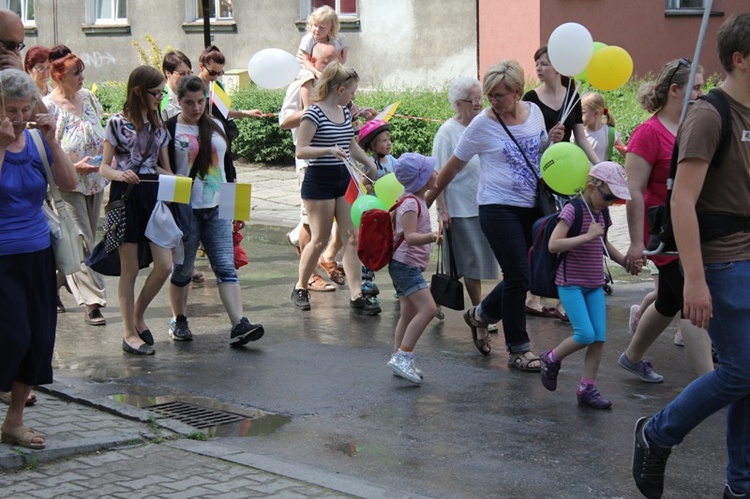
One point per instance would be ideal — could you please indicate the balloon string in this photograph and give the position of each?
(572, 103)
(601, 238)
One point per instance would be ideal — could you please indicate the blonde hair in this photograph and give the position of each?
(507, 72)
(321, 14)
(595, 102)
(334, 75)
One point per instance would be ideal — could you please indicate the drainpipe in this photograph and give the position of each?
(55, 22)
(477, 17)
(206, 24)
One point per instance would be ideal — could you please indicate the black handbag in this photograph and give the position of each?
(545, 199)
(115, 213)
(446, 289)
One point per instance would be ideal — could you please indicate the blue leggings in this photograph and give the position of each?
(587, 312)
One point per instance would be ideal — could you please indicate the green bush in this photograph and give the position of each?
(413, 128)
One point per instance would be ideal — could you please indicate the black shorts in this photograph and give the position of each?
(28, 318)
(139, 206)
(325, 182)
(669, 292)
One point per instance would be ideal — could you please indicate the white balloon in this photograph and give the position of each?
(273, 68)
(569, 48)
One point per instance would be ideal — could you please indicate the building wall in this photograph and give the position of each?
(398, 43)
(513, 29)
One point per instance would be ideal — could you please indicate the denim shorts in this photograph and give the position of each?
(407, 279)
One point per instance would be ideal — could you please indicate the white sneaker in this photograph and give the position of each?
(633, 322)
(402, 365)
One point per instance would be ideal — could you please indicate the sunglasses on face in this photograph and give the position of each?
(213, 73)
(157, 95)
(12, 45)
(682, 62)
(605, 196)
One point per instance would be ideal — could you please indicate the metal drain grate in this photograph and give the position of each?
(194, 415)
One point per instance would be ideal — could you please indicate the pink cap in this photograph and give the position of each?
(614, 176)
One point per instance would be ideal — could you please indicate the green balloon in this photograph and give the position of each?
(363, 204)
(583, 76)
(388, 189)
(565, 168)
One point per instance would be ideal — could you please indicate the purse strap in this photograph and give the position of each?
(129, 188)
(505, 127)
(37, 138)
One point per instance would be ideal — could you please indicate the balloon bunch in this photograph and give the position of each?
(387, 191)
(573, 52)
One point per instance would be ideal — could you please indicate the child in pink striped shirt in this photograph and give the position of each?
(580, 279)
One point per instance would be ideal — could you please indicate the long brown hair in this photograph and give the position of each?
(141, 79)
(206, 125)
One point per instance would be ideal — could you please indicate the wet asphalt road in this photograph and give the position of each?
(473, 429)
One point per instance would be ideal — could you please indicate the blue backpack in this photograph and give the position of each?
(543, 264)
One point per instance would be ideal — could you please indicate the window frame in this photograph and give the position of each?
(306, 9)
(674, 6)
(114, 20)
(195, 13)
(24, 4)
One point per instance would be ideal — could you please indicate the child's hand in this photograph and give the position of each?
(595, 231)
(438, 237)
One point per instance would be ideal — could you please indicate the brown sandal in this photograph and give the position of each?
(333, 272)
(316, 283)
(523, 361)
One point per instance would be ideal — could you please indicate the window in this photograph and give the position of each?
(344, 8)
(110, 11)
(219, 9)
(685, 4)
(24, 9)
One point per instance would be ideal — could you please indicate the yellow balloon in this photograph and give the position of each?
(610, 68)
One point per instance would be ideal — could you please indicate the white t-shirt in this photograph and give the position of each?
(308, 41)
(461, 193)
(205, 193)
(293, 103)
(505, 177)
(599, 140)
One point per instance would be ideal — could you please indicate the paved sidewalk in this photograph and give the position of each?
(98, 449)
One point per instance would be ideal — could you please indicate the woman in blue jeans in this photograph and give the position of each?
(199, 146)
(507, 202)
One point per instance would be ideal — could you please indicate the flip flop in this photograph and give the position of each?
(30, 400)
(24, 436)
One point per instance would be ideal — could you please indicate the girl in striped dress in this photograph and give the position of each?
(580, 279)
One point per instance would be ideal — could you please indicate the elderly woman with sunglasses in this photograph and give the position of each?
(503, 135)
(647, 165)
(27, 290)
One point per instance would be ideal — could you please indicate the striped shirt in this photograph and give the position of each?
(329, 134)
(583, 265)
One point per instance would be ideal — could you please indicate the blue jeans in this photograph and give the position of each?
(216, 236)
(587, 311)
(729, 385)
(508, 230)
